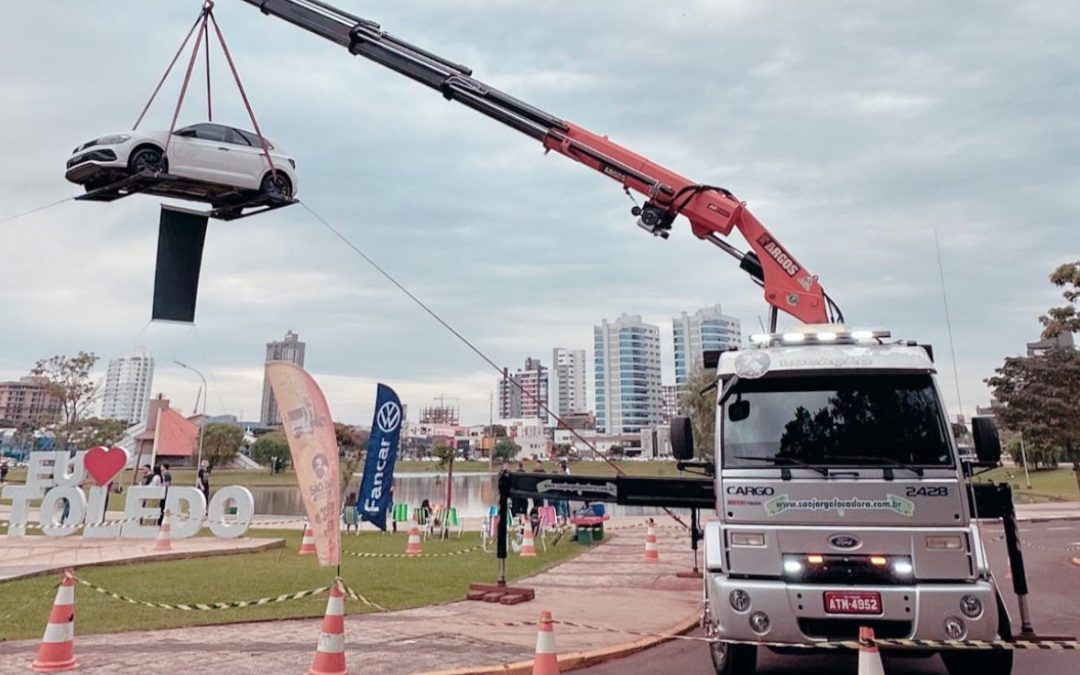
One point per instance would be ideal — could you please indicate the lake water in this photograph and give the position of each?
(473, 493)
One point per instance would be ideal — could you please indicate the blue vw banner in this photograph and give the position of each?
(374, 498)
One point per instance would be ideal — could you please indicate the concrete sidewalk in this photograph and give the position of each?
(607, 586)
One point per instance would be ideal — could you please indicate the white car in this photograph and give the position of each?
(207, 153)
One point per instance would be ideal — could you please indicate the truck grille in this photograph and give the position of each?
(848, 629)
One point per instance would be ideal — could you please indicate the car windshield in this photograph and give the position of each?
(846, 420)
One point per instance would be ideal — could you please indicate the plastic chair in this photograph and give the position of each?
(451, 521)
(547, 520)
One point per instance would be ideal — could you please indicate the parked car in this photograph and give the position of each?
(206, 152)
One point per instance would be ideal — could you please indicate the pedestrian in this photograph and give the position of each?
(519, 506)
(538, 467)
(393, 520)
(3, 471)
(348, 513)
(425, 512)
(156, 481)
(202, 480)
(147, 475)
(166, 479)
(562, 507)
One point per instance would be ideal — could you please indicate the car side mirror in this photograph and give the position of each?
(682, 438)
(738, 411)
(987, 442)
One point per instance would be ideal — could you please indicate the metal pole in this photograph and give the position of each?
(504, 513)
(1023, 456)
(202, 420)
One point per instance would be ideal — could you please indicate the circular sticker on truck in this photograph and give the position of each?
(751, 365)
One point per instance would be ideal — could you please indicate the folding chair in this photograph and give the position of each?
(400, 514)
(548, 518)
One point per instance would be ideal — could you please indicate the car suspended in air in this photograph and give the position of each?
(217, 163)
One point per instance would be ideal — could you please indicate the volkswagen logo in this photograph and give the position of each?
(389, 417)
(844, 541)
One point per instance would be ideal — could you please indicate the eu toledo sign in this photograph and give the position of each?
(56, 477)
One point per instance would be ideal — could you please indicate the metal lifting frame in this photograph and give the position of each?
(713, 212)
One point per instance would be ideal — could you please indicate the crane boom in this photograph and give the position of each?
(713, 212)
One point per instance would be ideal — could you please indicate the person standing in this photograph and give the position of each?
(3, 472)
(156, 481)
(348, 512)
(202, 480)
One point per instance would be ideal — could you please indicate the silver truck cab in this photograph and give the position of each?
(841, 503)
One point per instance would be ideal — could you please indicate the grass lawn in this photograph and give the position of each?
(1047, 485)
(394, 583)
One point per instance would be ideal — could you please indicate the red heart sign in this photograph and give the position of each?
(104, 463)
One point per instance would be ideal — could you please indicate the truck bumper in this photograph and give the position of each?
(796, 613)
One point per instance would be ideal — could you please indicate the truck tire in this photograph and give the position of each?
(983, 662)
(733, 659)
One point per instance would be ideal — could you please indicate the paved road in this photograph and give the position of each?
(1053, 579)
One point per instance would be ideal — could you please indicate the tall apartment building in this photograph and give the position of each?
(27, 400)
(627, 363)
(127, 388)
(533, 379)
(290, 349)
(670, 396)
(568, 389)
(694, 334)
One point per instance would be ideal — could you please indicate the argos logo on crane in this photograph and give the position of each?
(777, 252)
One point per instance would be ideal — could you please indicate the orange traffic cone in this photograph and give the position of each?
(413, 546)
(528, 546)
(651, 554)
(57, 650)
(547, 660)
(869, 658)
(330, 652)
(163, 543)
(307, 545)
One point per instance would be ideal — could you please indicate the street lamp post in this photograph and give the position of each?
(202, 420)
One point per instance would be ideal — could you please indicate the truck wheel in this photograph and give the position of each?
(733, 659)
(983, 662)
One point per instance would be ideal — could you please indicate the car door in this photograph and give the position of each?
(247, 162)
(204, 155)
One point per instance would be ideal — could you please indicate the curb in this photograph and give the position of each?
(576, 660)
(159, 557)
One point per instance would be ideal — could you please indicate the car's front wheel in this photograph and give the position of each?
(276, 184)
(148, 158)
(733, 659)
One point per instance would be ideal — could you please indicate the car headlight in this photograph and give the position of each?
(112, 140)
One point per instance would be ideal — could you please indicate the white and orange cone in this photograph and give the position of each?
(164, 541)
(546, 661)
(869, 657)
(651, 553)
(528, 546)
(412, 547)
(307, 544)
(330, 652)
(57, 650)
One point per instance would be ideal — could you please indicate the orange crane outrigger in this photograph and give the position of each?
(713, 211)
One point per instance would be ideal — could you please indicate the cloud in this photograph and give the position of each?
(853, 132)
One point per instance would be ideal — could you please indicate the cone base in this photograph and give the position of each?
(545, 664)
(53, 666)
(328, 672)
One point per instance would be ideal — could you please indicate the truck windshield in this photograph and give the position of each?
(835, 420)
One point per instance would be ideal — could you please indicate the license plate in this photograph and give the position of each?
(852, 602)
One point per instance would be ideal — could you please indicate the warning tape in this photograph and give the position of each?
(240, 604)
(206, 606)
(364, 554)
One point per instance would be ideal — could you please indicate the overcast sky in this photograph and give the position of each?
(852, 130)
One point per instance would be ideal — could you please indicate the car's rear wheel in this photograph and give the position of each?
(276, 184)
(148, 158)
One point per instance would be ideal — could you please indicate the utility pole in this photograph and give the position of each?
(202, 420)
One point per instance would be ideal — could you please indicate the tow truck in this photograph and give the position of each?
(839, 497)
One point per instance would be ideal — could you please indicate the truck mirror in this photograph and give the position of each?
(738, 411)
(987, 442)
(682, 438)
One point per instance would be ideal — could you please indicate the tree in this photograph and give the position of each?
(221, 442)
(444, 453)
(349, 438)
(94, 431)
(1039, 397)
(563, 450)
(495, 430)
(701, 409)
(616, 451)
(506, 449)
(1064, 319)
(271, 445)
(68, 379)
(960, 431)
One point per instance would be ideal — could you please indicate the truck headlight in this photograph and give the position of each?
(971, 606)
(740, 600)
(945, 542)
(747, 539)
